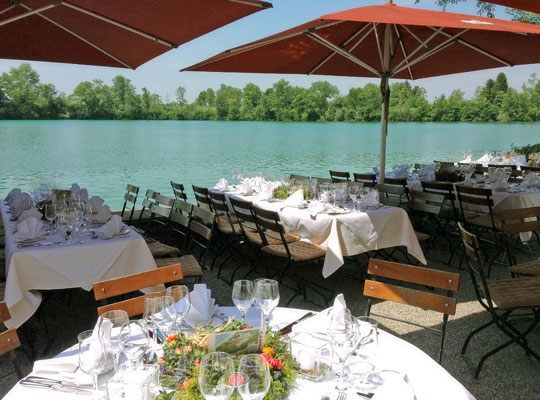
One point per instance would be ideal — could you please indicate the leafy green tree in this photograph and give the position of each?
(514, 107)
(251, 95)
(126, 102)
(206, 98)
(228, 102)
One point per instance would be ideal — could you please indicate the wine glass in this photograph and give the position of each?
(164, 314)
(182, 302)
(149, 298)
(266, 297)
(353, 194)
(342, 336)
(112, 332)
(216, 376)
(136, 344)
(50, 215)
(243, 296)
(253, 377)
(92, 356)
(368, 345)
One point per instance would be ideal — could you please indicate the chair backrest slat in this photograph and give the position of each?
(4, 312)
(471, 244)
(294, 177)
(322, 180)
(159, 210)
(132, 189)
(365, 178)
(268, 219)
(417, 298)
(202, 222)
(340, 176)
(130, 283)
(530, 168)
(242, 209)
(409, 273)
(181, 212)
(520, 220)
(9, 340)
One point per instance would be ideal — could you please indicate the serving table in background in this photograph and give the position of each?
(345, 233)
(31, 269)
(428, 379)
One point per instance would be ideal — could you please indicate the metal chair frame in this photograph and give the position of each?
(130, 197)
(179, 191)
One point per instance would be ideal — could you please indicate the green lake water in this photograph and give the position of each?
(106, 155)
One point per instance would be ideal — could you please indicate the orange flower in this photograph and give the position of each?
(186, 383)
(171, 338)
(269, 351)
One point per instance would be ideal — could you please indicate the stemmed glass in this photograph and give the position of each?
(254, 377)
(164, 314)
(368, 345)
(343, 338)
(266, 297)
(50, 215)
(149, 299)
(113, 332)
(182, 302)
(136, 344)
(243, 296)
(92, 356)
(353, 194)
(216, 376)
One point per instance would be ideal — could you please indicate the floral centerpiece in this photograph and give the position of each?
(534, 160)
(284, 191)
(179, 366)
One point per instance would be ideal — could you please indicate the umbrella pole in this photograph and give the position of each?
(385, 92)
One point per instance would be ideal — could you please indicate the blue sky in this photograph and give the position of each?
(161, 75)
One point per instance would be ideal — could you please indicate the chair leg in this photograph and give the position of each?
(443, 333)
(474, 332)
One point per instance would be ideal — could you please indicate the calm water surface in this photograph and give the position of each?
(105, 155)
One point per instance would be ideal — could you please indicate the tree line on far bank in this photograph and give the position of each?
(23, 96)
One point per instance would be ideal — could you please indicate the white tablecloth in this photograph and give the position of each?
(428, 379)
(347, 234)
(61, 267)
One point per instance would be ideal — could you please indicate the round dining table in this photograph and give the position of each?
(427, 379)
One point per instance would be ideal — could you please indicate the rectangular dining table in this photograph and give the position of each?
(48, 266)
(344, 232)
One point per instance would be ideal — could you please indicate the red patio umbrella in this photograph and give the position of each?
(528, 5)
(386, 41)
(113, 33)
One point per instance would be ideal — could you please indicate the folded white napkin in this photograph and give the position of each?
(68, 361)
(316, 207)
(371, 199)
(102, 216)
(222, 184)
(294, 199)
(114, 226)
(400, 172)
(75, 189)
(95, 203)
(12, 195)
(320, 322)
(267, 191)
(31, 212)
(395, 386)
(246, 187)
(22, 202)
(499, 184)
(30, 228)
(203, 306)
(83, 195)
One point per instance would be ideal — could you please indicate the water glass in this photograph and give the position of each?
(243, 296)
(113, 331)
(182, 302)
(353, 194)
(368, 345)
(253, 380)
(50, 215)
(216, 376)
(149, 298)
(136, 344)
(266, 298)
(92, 356)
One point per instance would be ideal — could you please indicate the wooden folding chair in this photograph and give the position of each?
(298, 178)
(130, 283)
(339, 176)
(529, 168)
(369, 180)
(322, 180)
(399, 182)
(150, 198)
(397, 274)
(178, 190)
(9, 340)
(518, 221)
(202, 196)
(390, 195)
(130, 198)
(503, 299)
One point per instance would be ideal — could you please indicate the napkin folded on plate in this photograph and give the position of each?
(499, 184)
(294, 199)
(30, 228)
(75, 189)
(95, 203)
(102, 216)
(395, 386)
(65, 362)
(82, 195)
(320, 322)
(316, 207)
(222, 184)
(203, 306)
(114, 226)
(371, 199)
(246, 187)
(12, 195)
(400, 172)
(267, 192)
(31, 212)
(22, 202)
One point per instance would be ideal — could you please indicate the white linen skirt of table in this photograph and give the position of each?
(61, 267)
(428, 379)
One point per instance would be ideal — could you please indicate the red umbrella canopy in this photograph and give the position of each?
(422, 44)
(528, 5)
(115, 33)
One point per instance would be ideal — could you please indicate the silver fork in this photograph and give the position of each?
(342, 395)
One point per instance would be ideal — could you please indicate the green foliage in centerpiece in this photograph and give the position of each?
(179, 367)
(283, 192)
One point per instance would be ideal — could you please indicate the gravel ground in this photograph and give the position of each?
(508, 374)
